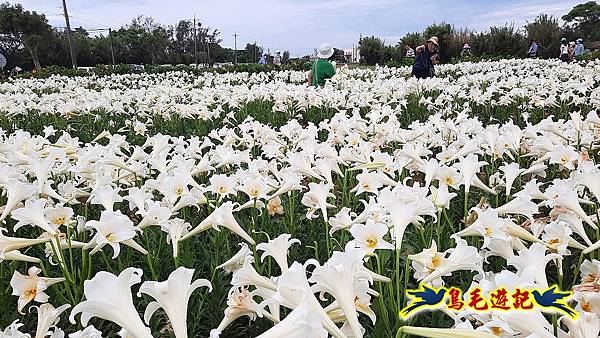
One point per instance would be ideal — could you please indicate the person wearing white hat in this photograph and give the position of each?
(427, 57)
(322, 69)
(564, 50)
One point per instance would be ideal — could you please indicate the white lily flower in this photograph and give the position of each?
(469, 166)
(570, 200)
(17, 191)
(586, 326)
(237, 261)
(431, 265)
(302, 322)
(48, 316)
(222, 216)
(9, 247)
(240, 303)
(316, 199)
(247, 275)
(33, 214)
(293, 289)
(106, 196)
(445, 333)
(338, 277)
(370, 236)
(109, 297)
(534, 260)
(12, 331)
(31, 287)
(511, 172)
(175, 229)
(278, 249)
(88, 332)
(112, 229)
(172, 296)
(521, 205)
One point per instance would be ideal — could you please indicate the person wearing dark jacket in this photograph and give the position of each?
(427, 57)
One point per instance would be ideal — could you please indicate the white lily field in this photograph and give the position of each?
(245, 205)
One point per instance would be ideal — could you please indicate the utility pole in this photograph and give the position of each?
(195, 44)
(235, 47)
(112, 51)
(73, 60)
(208, 50)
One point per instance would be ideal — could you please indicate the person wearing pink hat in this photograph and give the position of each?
(466, 51)
(427, 57)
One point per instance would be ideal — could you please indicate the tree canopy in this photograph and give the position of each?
(586, 19)
(28, 40)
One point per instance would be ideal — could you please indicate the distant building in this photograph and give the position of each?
(352, 55)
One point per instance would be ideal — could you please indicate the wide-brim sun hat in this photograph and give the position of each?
(433, 39)
(325, 51)
(466, 46)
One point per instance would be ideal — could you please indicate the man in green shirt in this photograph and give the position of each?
(322, 69)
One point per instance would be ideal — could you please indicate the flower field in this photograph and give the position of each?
(245, 205)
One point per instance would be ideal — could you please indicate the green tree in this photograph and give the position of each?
(586, 19)
(285, 58)
(184, 37)
(456, 41)
(391, 53)
(546, 32)
(443, 32)
(370, 50)
(24, 29)
(499, 41)
(413, 39)
(253, 52)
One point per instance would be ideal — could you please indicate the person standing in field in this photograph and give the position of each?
(277, 59)
(427, 58)
(410, 53)
(564, 50)
(571, 51)
(466, 52)
(533, 49)
(579, 49)
(322, 69)
(263, 60)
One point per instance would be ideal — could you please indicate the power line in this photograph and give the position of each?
(90, 21)
(98, 18)
(40, 3)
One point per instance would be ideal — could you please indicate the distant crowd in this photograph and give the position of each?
(426, 56)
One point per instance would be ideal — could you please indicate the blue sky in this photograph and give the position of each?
(301, 25)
